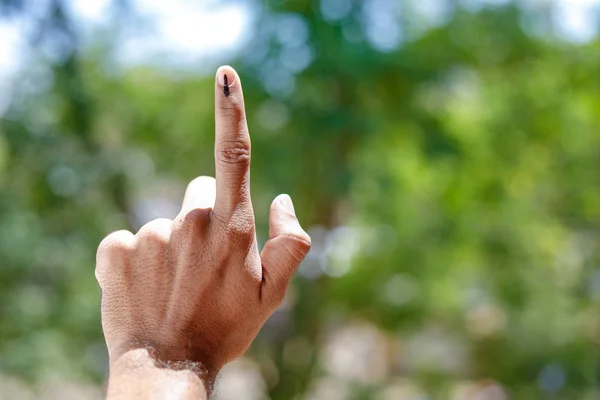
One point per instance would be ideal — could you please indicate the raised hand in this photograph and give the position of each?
(183, 297)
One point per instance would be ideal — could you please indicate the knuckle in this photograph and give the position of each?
(115, 249)
(194, 219)
(234, 152)
(235, 236)
(241, 235)
(241, 226)
(157, 232)
(116, 244)
(299, 247)
(201, 183)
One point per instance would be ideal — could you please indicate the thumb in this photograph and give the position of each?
(286, 249)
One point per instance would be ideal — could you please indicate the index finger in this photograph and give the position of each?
(232, 143)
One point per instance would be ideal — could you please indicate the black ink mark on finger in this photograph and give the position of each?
(225, 86)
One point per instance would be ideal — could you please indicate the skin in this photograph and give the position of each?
(183, 297)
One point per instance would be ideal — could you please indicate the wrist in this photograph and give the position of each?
(174, 375)
(165, 357)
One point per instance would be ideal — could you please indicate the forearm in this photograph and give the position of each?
(136, 375)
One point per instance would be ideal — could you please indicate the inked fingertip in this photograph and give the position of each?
(226, 76)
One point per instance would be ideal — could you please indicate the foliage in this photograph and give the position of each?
(451, 185)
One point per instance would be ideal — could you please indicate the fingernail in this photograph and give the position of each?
(225, 78)
(286, 202)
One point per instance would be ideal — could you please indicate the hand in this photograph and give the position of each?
(192, 293)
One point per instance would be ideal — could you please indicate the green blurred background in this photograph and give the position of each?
(444, 155)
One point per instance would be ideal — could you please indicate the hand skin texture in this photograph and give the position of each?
(183, 297)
